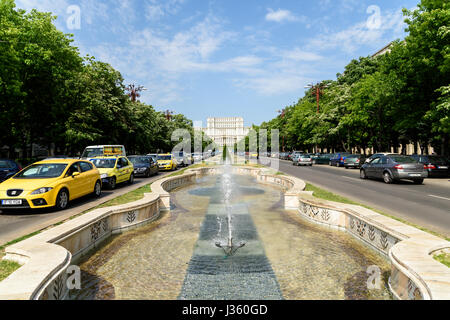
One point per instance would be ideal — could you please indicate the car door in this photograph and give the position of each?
(371, 167)
(379, 169)
(122, 168)
(89, 177)
(74, 183)
(153, 166)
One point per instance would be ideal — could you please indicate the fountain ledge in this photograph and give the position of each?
(45, 258)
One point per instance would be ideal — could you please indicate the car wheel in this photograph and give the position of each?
(148, 174)
(131, 179)
(362, 174)
(98, 189)
(418, 181)
(387, 178)
(62, 200)
(113, 183)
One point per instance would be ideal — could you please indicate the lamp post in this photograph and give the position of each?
(169, 114)
(317, 90)
(133, 91)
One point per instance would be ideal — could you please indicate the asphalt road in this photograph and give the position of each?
(18, 223)
(426, 205)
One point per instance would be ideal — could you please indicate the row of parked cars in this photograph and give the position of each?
(53, 182)
(387, 166)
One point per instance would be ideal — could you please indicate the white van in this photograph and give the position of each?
(102, 151)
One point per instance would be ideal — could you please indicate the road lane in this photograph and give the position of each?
(426, 205)
(15, 224)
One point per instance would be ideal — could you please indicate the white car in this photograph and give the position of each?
(304, 160)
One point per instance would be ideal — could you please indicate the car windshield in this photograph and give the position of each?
(305, 156)
(169, 157)
(42, 171)
(104, 163)
(402, 159)
(92, 152)
(140, 160)
(5, 164)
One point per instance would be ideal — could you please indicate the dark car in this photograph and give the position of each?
(394, 167)
(8, 168)
(437, 166)
(144, 166)
(354, 161)
(338, 159)
(322, 159)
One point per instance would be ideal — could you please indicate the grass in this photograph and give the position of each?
(7, 267)
(443, 258)
(326, 195)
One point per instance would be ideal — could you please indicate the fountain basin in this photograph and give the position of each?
(414, 275)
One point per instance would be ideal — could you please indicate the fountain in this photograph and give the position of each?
(229, 247)
(283, 256)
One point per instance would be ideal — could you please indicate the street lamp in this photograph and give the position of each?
(169, 114)
(133, 91)
(317, 90)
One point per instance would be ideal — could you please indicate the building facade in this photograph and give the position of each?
(226, 131)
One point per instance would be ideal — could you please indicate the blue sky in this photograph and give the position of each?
(246, 58)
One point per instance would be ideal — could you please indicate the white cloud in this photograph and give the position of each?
(275, 84)
(281, 15)
(300, 55)
(352, 38)
(156, 9)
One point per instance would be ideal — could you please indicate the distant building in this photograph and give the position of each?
(384, 50)
(226, 131)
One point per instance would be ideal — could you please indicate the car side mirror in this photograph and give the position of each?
(75, 174)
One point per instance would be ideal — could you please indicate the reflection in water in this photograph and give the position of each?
(284, 257)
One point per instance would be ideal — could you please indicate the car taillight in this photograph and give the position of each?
(357, 160)
(398, 166)
(430, 166)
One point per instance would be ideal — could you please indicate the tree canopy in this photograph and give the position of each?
(396, 98)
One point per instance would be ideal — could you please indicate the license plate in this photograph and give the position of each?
(443, 167)
(414, 175)
(11, 202)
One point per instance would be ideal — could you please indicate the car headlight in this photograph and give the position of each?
(104, 176)
(41, 190)
(142, 169)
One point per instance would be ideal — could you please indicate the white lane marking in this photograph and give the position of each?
(439, 197)
(351, 178)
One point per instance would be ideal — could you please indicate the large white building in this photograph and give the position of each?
(226, 131)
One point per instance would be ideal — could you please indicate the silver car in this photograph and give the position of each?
(304, 160)
(294, 159)
(393, 167)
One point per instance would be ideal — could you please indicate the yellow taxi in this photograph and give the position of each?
(50, 183)
(167, 162)
(114, 170)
